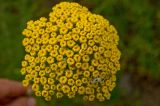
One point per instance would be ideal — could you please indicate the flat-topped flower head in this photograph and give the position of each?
(71, 53)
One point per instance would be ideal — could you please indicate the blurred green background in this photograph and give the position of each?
(138, 24)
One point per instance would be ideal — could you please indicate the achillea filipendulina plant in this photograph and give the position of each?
(73, 52)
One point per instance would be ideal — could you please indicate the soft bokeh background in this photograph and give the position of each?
(138, 24)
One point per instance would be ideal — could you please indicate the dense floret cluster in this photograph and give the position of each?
(73, 52)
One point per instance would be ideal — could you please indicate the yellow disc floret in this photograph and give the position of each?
(73, 52)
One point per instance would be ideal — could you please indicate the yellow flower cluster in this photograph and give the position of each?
(73, 52)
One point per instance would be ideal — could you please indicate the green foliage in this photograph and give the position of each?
(137, 21)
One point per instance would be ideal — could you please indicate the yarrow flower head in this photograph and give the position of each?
(73, 52)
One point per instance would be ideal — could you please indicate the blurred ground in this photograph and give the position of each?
(138, 24)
